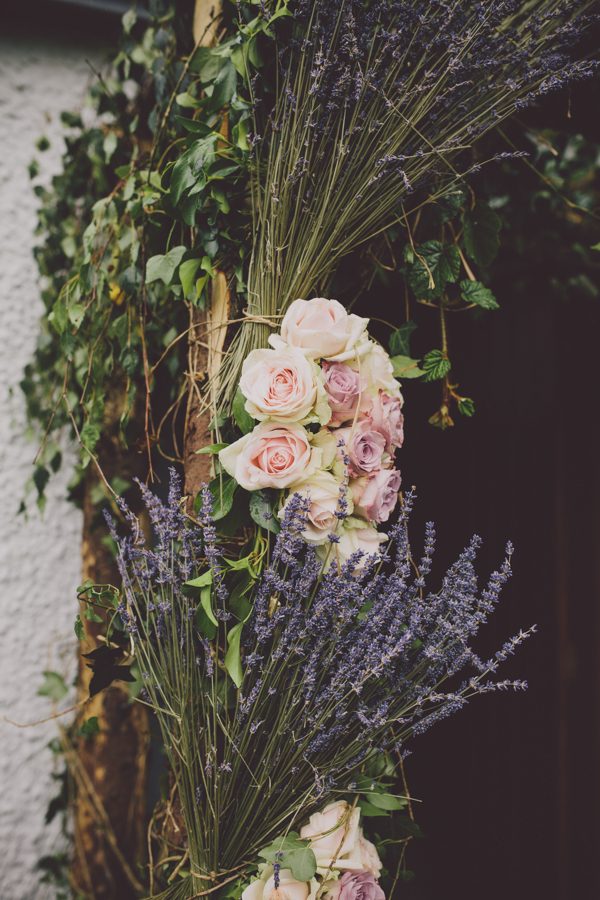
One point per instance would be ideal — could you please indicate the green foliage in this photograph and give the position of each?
(53, 686)
(292, 853)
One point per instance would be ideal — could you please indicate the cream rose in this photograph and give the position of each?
(271, 456)
(356, 534)
(323, 492)
(322, 329)
(333, 833)
(289, 887)
(377, 371)
(284, 386)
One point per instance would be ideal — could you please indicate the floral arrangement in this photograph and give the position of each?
(282, 685)
(323, 372)
(347, 863)
(289, 647)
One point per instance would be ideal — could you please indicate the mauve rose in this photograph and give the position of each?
(359, 886)
(271, 456)
(385, 412)
(375, 496)
(343, 387)
(322, 329)
(364, 445)
(282, 385)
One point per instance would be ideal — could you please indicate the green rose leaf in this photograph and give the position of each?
(405, 367)
(243, 420)
(262, 509)
(162, 268)
(478, 293)
(466, 407)
(233, 659)
(385, 801)
(435, 365)
(292, 853)
(222, 488)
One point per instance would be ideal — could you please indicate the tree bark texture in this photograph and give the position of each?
(108, 768)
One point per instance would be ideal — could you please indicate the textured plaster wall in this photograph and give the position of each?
(39, 556)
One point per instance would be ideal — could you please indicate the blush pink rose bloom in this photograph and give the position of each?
(377, 370)
(323, 492)
(282, 385)
(343, 386)
(364, 445)
(289, 888)
(385, 413)
(375, 496)
(369, 856)
(271, 456)
(322, 329)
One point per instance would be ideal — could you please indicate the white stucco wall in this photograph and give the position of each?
(39, 556)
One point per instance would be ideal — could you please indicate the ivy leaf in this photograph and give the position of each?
(405, 367)
(481, 236)
(243, 420)
(435, 365)
(90, 727)
(292, 853)
(189, 170)
(262, 509)
(400, 339)
(106, 664)
(78, 628)
(224, 86)
(187, 277)
(53, 686)
(162, 267)
(476, 292)
(435, 265)
(222, 488)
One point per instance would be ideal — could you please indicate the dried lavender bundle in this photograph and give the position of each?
(373, 100)
(274, 696)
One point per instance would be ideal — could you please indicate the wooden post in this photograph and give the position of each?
(109, 768)
(207, 327)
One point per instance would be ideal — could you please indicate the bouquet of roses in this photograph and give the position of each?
(330, 421)
(347, 864)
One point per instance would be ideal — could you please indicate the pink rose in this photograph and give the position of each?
(323, 492)
(271, 456)
(385, 413)
(343, 387)
(322, 329)
(364, 445)
(359, 886)
(282, 385)
(375, 496)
